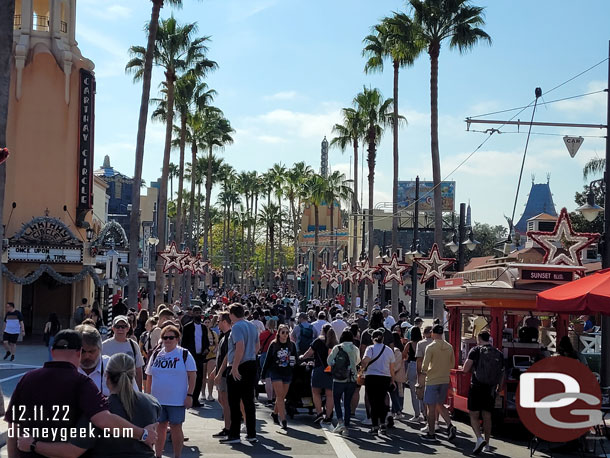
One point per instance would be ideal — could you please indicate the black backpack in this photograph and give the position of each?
(490, 365)
(341, 369)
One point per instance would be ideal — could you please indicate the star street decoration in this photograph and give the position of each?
(365, 271)
(172, 258)
(188, 261)
(563, 245)
(277, 273)
(434, 264)
(199, 265)
(349, 274)
(334, 278)
(394, 270)
(324, 272)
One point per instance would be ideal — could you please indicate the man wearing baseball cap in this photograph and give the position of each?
(121, 344)
(58, 391)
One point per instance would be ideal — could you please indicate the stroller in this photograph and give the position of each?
(299, 394)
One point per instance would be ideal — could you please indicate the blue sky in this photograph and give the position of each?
(287, 67)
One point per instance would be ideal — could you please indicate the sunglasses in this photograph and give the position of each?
(120, 326)
(284, 332)
(169, 337)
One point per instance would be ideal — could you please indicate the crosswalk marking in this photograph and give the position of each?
(338, 444)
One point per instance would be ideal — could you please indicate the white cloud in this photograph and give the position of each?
(284, 95)
(595, 103)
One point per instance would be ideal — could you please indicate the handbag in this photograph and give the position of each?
(361, 377)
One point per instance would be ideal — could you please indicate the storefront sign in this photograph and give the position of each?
(123, 258)
(44, 254)
(546, 275)
(147, 231)
(449, 282)
(85, 147)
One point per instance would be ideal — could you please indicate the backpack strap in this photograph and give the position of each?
(133, 349)
(185, 355)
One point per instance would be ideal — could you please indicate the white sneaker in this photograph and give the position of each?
(424, 429)
(479, 445)
(421, 418)
(367, 422)
(339, 428)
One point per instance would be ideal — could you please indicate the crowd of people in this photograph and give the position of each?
(155, 366)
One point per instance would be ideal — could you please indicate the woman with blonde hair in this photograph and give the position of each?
(139, 408)
(171, 379)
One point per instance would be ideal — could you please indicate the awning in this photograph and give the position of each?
(589, 294)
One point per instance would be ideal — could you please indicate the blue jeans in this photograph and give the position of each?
(397, 399)
(418, 405)
(343, 390)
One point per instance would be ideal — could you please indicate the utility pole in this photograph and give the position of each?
(605, 364)
(414, 248)
(461, 237)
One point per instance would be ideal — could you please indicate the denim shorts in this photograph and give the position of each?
(277, 377)
(436, 394)
(174, 414)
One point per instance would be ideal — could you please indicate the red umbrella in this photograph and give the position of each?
(586, 295)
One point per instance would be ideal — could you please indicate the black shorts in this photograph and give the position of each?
(10, 338)
(481, 398)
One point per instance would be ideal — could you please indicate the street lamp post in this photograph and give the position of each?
(153, 241)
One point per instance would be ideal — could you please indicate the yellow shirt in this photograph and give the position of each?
(438, 362)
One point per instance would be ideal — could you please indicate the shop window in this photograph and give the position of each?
(63, 24)
(17, 19)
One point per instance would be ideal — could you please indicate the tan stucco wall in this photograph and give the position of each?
(42, 136)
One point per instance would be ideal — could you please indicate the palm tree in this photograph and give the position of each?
(173, 173)
(277, 175)
(175, 50)
(191, 94)
(351, 132)
(337, 190)
(458, 21)
(216, 131)
(593, 167)
(143, 72)
(270, 216)
(7, 17)
(294, 190)
(315, 187)
(376, 114)
(395, 37)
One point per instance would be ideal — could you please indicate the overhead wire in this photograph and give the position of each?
(455, 169)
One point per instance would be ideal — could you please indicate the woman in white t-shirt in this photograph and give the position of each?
(171, 379)
(378, 363)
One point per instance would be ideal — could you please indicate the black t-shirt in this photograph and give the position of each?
(320, 353)
(278, 357)
(146, 411)
(363, 323)
(223, 349)
(55, 395)
(367, 337)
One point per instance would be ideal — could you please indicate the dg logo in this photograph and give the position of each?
(558, 399)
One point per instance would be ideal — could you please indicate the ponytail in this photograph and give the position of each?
(120, 372)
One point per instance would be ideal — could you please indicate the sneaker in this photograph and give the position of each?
(210, 397)
(424, 429)
(284, 425)
(428, 437)
(420, 419)
(451, 432)
(327, 420)
(374, 430)
(8, 353)
(12, 357)
(252, 440)
(367, 422)
(276, 418)
(488, 449)
(479, 445)
(318, 418)
(223, 433)
(243, 428)
(339, 429)
(383, 429)
(230, 440)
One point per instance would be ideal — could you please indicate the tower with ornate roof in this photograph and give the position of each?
(540, 200)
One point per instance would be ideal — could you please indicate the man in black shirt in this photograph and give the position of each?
(54, 397)
(220, 379)
(195, 340)
(13, 326)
